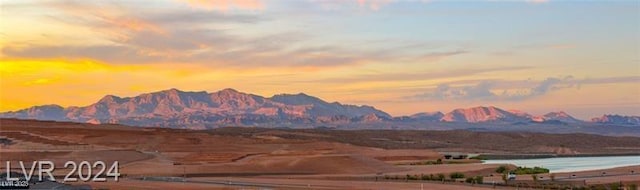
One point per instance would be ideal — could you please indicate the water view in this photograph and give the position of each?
(573, 164)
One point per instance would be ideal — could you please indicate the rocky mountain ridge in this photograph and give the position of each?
(229, 107)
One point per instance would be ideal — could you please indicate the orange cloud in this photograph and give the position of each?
(225, 5)
(134, 24)
(112, 20)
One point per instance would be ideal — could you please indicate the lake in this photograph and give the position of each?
(573, 164)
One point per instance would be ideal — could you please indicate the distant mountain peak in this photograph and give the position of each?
(558, 113)
(616, 119)
(110, 99)
(230, 93)
(173, 90)
(51, 106)
(480, 114)
(520, 113)
(479, 108)
(173, 107)
(297, 99)
(299, 94)
(229, 90)
(560, 116)
(427, 114)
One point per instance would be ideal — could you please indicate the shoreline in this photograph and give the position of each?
(541, 156)
(572, 164)
(635, 168)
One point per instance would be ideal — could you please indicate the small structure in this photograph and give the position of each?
(455, 156)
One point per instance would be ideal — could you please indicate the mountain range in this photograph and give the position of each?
(228, 107)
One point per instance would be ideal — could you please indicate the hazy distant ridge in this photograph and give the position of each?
(175, 108)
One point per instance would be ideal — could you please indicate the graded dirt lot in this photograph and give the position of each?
(229, 158)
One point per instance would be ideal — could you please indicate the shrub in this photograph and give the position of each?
(412, 177)
(501, 169)
(615, 186)
(439, 161)
(504, 178)
(534, 170)
(424, 177)
(479, 157)
(479, 179)
(456, 175)
(440, 177)
(469, 180)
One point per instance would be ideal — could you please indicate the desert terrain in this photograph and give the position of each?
(239, 157)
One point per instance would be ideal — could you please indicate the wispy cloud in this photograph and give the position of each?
(435, 56)
(543, 46)
(226, 5)
(418, 76)
(505, 90)
(109, 18)
(133, 35)
(373, 5)
(214, 48)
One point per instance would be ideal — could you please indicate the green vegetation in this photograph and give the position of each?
(391, 177)
(501, 169)
(534, 170)
(615, 186)
(504, 178)
(457, 162)
(456, 175)
(522, 170)
(611, 186)
(479, 179)
(479, 157)
(453, 177)
(412, 177)
(469, 180)
(426, 162)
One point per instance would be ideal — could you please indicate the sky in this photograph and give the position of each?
(403, 57)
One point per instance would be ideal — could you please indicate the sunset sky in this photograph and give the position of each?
(403, 57)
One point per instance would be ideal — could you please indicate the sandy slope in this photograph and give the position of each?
(290, 157)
